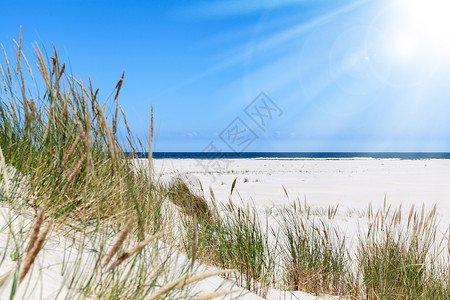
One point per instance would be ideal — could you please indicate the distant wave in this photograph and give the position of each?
(322, 158)
(302, 155)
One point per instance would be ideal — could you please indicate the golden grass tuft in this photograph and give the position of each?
(122, 236)
(191, 203)
(134, 250)
(36, 228)
(35, 248)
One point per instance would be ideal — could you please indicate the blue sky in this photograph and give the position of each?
(347, 75)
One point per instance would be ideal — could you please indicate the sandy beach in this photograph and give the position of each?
(351, 184)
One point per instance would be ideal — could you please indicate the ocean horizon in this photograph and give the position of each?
(301, 155)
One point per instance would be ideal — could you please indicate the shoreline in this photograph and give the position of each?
(299, 155)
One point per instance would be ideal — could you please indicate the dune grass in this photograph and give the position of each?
(400, 261)
(314, 254)
(179, 193)
(393, 260)
(61, 157)
(61, 161)
(231, 237)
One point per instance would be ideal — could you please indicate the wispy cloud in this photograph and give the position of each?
(239, 7)
(268, 43)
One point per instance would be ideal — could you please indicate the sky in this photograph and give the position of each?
(290, 75)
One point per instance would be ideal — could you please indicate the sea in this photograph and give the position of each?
(302, 155)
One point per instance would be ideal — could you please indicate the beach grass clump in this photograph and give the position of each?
(393, 260)
(401, 261)
(190, 203)
(234, 238)
(244, 244)
(65, 147)
(61, 146)
(313, 254)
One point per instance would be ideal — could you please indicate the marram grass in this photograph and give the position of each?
(70, 167)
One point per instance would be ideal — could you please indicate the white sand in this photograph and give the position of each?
(352, 184)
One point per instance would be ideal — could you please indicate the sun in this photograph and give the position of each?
(405, 46)
(425, 25)
(408, 42)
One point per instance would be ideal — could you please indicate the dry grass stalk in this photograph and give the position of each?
(284, 189)
(134, 153)
(5, 173)
(42, 66)
(169, 286)
(28, 65)
(75, 172)
(4, 79)
(111, 141)
(129, 132)
(211, 192)
(84, 135)
(133, 250)
(215, 295)
(36, 228)
(31, 255)
(7, 64)
(150, 140)
(194, 242)
(126, 121)
(122, 236)
(28, 118)
(184, 281)
(89, 135)
(68, 154)
(140, 144)
(233, 185)
(118, 87)
(53, 94)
